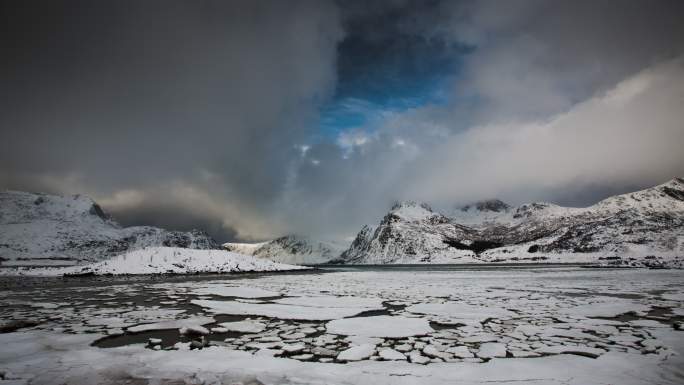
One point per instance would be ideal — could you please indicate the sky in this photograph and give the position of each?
(256, 119)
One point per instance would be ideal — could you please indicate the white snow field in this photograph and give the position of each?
(163, 260)
(428, 326)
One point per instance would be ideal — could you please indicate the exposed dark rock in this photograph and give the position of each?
(493, 205)
(476, 246)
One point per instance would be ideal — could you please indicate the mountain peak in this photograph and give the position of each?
(675, 183)
(491, 205)
(411, 211)
(674, 188)
(399, 205)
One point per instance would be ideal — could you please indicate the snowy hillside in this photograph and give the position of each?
(289, 249)
(641, 228)
(51, 230)
(164, 260)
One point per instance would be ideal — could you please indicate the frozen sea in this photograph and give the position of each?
(348, 325)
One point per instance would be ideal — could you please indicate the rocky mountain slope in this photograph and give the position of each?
(50, 230)
(290, 249)
(641, 228)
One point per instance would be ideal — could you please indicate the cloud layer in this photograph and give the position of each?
(207, 114)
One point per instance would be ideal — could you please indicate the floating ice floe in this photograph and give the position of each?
(608, 309)
(235, 291)
(109, 322)
(460, 352)
(578, 350)
(152, 314)
(171, 324)
(435, 352)
(276, 310)
(294, 348)
(380, 326)
(391, 355)
(194, 330)
(333, 301)
(247, 326)
(677, 296)
(460, 312)
(491, 350)
(357, 353)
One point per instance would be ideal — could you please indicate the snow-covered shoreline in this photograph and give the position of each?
(163, 260)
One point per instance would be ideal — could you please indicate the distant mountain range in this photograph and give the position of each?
(290, 249)
(644, 228)
(52, 230)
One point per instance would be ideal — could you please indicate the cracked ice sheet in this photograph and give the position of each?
(41, 356)
(534, 308)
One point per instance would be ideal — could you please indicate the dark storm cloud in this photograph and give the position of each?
(136, 95)
(206, 113)
(171, 214)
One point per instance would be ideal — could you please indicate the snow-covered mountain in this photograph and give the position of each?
(410, 233)
(162, 260)
(51, 230)
(290, 249)
(641, 228)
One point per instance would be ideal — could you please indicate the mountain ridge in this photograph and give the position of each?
(644, 227)
(641, 228)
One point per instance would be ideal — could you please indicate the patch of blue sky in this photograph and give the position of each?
(366, 111)
(380, 77)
